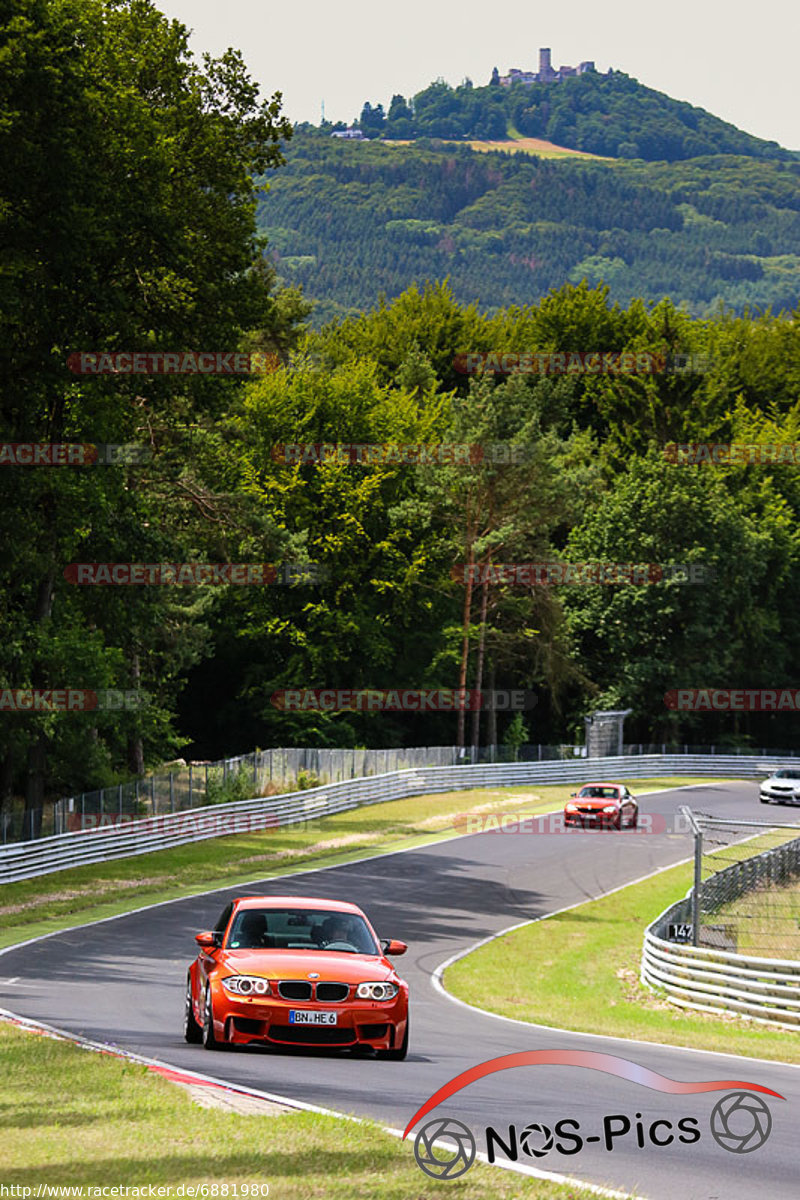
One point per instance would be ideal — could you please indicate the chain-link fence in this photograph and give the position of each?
(268, 772)
(263, 773)
(748, 899)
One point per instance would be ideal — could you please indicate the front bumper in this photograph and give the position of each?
(265, 1020)
(773, 796)
(591, 818)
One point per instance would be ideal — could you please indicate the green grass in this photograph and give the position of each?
(65, 898)
(115, 1123)
(767, 921)
(579, 970)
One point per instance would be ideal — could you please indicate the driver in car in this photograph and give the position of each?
(340, 928)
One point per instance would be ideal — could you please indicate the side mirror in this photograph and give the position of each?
(392, 946)
(207, 940)
(572, 795)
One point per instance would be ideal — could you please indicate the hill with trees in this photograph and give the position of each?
(352, 220)
(611, 115)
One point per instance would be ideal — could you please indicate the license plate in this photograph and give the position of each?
(299, 1017)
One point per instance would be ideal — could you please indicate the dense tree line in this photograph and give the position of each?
(351, 221)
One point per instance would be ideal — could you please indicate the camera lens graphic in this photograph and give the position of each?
(437, 1161)
(536, 1140)
(741, 1122)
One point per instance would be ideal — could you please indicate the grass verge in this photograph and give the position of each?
(114, 1123)
(579, 970)
(766, 921)
(71, 897)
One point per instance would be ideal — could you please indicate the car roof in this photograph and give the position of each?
(310, 902)
(614, 785)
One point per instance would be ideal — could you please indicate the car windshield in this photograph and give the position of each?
(787, 773)
(300, 929)
(598, 793)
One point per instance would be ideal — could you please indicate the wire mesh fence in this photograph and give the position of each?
(269, 772)
(262, 773)
(749, 894)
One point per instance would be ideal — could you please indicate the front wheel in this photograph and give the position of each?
(192, 1032)
(634, 821)
(399, 1054)
(209, 1040)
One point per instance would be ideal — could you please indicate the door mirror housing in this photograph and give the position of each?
(393, 947)
(207, 940)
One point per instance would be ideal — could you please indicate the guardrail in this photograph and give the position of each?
(701, 977)
(126, 837)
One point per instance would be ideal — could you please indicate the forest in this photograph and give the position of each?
(349, 221)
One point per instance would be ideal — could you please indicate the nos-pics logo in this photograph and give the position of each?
(444, 1148)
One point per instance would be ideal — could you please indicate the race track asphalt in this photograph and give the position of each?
(122, 982)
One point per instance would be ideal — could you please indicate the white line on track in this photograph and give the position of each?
(300, 1105)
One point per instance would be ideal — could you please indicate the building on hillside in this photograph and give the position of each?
(546, 72)
(355, 135)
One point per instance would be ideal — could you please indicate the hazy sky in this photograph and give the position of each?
(738, 60)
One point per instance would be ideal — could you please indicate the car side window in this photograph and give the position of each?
(222, 921)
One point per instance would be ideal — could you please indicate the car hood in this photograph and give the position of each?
(297, 964)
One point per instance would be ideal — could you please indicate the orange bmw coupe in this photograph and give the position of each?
(296, 971)
(609, 805)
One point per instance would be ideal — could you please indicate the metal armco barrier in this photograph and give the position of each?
(25, 860)
(764, 989)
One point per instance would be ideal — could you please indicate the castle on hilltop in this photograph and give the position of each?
(545, 74)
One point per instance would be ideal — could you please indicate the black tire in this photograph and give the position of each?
(209, 1040)
(192, 1032)
(401, 1052)
(635, 822)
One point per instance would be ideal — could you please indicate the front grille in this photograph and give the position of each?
(294, 989)
(373, 1031)
(332, 992)
(316, 1035)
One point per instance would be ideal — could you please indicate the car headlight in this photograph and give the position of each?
(377, 991)
(571, 808)
(610, 808)
(246, 985)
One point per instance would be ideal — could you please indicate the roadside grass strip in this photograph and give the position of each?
(579, 970)
(33, 907)
(110, 1122)
(767, 921)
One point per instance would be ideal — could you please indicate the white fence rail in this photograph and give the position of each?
(130, 836)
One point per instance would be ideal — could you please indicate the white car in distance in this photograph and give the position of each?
(782, 787)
